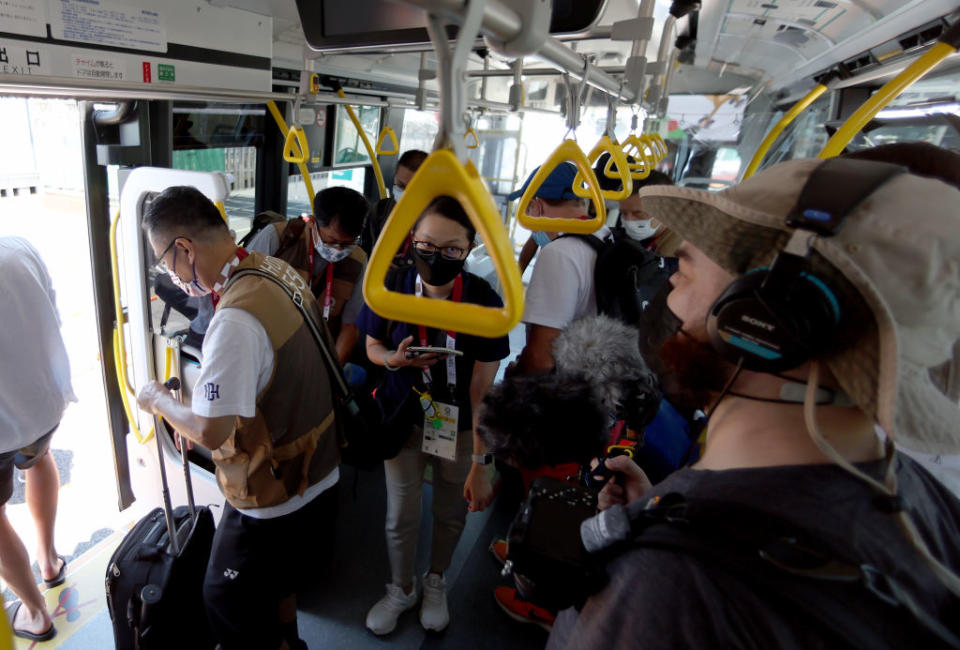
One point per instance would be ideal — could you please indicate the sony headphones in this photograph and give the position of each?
(772, 319)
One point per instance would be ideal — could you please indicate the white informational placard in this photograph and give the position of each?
(99, 66)
(24, 59)
(27, 17)
(108, 23)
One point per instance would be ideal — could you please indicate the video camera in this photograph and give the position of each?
(566, 417)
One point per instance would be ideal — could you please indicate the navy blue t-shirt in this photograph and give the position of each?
(398, 386)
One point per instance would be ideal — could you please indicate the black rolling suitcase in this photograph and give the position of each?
(154, 579)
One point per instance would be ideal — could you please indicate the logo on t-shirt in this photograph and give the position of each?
(211, 391)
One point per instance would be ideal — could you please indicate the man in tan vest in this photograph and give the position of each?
(323, 248)
(263, 406)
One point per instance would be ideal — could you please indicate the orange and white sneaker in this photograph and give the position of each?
(499, 549)
(522, 610)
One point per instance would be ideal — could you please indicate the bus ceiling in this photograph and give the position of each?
(780, 47)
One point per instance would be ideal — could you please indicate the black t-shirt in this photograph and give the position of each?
(398, 386)
(665, 599)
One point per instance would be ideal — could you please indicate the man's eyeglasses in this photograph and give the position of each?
(161, 265)
(339, 245)
(447, 252)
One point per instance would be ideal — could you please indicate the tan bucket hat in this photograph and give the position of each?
(895, 258)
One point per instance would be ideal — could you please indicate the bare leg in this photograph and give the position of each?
(42, 491)
(15, 571)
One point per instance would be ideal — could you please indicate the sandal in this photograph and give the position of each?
(58, 579)
(46, 635)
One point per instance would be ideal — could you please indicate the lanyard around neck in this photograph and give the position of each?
(225, 274)
(456, 296)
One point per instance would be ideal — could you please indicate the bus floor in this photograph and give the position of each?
(333, 611)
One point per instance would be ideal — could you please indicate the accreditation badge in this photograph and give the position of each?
(440, 431)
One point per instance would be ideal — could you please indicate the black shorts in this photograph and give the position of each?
(21, 459)
(255, 563)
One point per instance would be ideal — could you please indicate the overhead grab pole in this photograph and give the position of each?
(447, 172)
(639, 30)
(503, 23)
(662, 64)
(451, 65)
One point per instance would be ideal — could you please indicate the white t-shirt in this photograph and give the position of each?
(34, 369)
(267, 242)
(237, 364)
(561, 289)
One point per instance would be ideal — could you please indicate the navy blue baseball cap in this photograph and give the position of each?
(558, 185)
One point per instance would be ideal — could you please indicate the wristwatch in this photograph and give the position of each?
(482, 459)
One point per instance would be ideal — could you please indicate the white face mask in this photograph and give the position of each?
(330, 253)
(194, 288)
(640, 229)
(397, 192)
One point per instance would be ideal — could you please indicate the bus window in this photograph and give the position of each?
(349, 148)
(297, 200)
(222, 137)
(419, 130)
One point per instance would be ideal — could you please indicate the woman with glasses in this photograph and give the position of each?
(437, 395)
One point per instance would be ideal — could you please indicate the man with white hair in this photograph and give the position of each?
(814, 298)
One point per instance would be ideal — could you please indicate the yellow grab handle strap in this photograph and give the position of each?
(476, 140)
(662, 145)
(884, 96)
(442, 174)
(302, 166)
(623, 172)
(385, 133)
(639, 149)
(301, 154)
(568, 151)
(653, 140)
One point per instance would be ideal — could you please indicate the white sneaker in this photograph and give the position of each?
(433, 610)
(382, 617)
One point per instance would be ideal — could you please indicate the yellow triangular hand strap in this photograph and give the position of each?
(568, 151)
(622, 168)
(441, 174)
(387, 132)
(295, 147)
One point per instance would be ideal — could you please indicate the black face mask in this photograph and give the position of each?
(435, 269)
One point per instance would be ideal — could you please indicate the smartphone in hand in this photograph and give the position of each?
(417, 350)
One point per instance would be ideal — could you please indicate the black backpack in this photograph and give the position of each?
(627, 276)
(260, 222)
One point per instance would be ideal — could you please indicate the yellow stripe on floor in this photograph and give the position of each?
(81, 597)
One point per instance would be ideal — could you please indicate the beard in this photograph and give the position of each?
(691, 372)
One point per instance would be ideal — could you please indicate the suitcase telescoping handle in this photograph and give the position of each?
(174, 385)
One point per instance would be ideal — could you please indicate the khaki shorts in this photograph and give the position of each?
(21, 459)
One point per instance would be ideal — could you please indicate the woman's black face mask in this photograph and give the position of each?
(435, 269)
